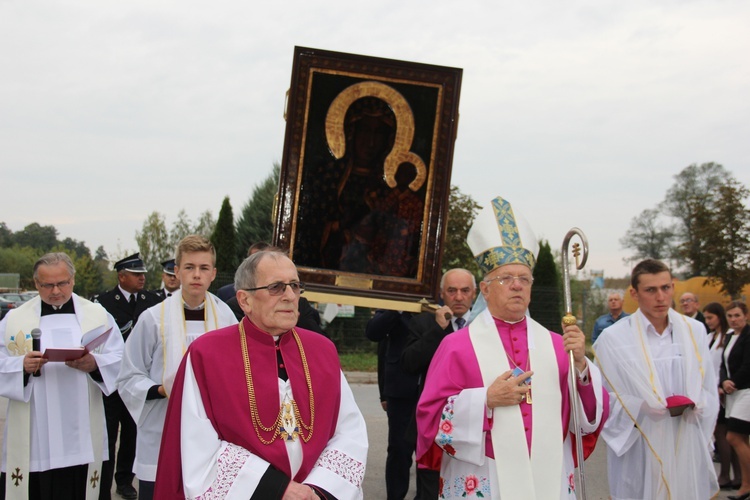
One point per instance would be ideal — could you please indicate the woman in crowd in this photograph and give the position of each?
(735, 382)
(719, 328)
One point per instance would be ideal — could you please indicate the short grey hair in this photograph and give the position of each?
(245, 277)
(53, 259)
(473, 278)
(618, 293)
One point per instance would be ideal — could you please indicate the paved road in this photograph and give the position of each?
(366, 395)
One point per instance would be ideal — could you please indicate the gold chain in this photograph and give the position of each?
(276, 426)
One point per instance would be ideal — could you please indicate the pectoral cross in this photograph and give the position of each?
(17, 476)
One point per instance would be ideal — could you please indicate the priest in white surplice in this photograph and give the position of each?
(155, 347)
(261, 410)
(55, 437)
(664, 396)
(494, 416)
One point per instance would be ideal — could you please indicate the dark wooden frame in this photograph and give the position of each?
(426, 94)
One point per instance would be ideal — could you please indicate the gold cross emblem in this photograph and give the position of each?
(17, 477)
(94, 479)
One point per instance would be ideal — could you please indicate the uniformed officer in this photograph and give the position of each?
(169, 278)
(125, 303)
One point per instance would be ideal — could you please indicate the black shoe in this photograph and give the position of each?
(127, 492)
(728, 486)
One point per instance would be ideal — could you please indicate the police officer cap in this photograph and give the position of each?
(168, 266)
(133, 263)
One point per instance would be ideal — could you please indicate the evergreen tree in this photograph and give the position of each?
(545, 303)
(224, 239)
(255, 223)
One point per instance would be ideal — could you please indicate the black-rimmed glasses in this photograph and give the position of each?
(52, 286)
(279, 287)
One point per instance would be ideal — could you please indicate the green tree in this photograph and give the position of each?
(224, 239)
(462, 209)
(6, 236)
(153, 244)
(36, 236)
(545, 303)
(205, 225)
(101, 254)
(179, 229)
(726, 238)
(255, 222)
(648, 238)
(694, 189)
(74, 246)
(89, 279)
(20, 260)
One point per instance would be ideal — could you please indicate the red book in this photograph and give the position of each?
(90, 340)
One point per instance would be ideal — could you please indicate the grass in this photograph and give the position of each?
(359, 362)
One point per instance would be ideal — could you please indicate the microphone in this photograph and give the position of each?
(36, 343)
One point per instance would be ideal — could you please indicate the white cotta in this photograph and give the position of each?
(652, 455)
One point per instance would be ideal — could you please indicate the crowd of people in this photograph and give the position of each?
(241, 395)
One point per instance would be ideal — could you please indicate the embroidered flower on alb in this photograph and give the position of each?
(231, 460)
(470, 486)
(342, 465)
(445, 435)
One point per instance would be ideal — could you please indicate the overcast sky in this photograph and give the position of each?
(579, 113)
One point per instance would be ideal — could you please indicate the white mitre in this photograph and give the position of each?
(501, 236)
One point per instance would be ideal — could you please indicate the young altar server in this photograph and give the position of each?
(155, 347)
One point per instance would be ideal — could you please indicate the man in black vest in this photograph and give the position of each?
(125, 303)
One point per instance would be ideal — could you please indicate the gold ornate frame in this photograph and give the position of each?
(324, 183)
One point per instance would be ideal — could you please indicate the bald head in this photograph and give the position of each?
(689, 304)
(614, 303)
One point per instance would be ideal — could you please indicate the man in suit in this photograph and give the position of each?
(398, 396)
(125, 303)
(458, 288)
(691, 307)
(169, 278)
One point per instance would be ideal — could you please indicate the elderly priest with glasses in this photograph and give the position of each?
(494, 416)
(55, 435)
(261, 409)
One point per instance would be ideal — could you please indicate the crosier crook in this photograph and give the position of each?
(568, 320)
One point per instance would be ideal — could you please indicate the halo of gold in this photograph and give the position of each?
(336, 137)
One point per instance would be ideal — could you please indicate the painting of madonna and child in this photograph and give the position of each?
(366, 172)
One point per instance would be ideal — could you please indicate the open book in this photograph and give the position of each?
(90, 340)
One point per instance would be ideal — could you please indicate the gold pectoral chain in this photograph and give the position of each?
(287, 407)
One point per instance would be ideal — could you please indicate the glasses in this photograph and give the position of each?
(52, 286)
(686, 301)
(508, 280)
(279, 288)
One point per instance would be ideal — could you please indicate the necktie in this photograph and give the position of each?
(460, 322)
(131, 301)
